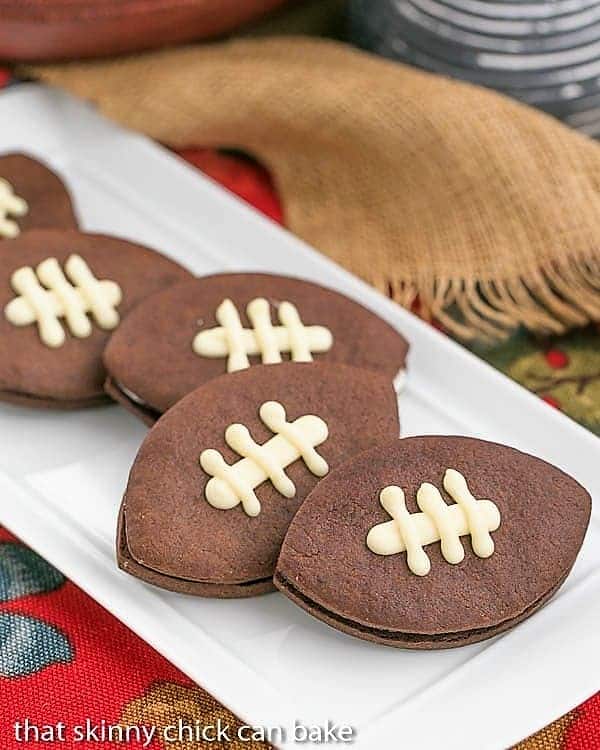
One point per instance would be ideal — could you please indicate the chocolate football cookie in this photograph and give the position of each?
(433, 542)
(62, 293)
(31, 197)
(204, 328)
(219, 477)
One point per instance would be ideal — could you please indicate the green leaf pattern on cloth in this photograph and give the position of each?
(564, 372)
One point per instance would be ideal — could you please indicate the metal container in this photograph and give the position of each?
(546, 54)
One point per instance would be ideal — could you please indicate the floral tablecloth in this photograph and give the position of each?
(64, 659)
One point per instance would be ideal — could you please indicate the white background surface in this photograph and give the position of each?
(62, 477)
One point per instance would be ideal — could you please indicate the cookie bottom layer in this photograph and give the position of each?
(38, 402)
(405, 640)
(130, 565)
(146, 413)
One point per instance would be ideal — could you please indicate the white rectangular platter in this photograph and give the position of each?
(62, 477)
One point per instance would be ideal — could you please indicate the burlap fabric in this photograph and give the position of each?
(486, 211)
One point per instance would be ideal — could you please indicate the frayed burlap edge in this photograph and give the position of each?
(548, 300)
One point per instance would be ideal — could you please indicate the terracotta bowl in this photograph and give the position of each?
(39, 30)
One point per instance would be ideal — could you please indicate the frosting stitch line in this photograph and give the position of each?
(232, 484)
(237, 343)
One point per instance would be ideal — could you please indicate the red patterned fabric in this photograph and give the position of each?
(64, 658)
(109, 665)
(583, 733)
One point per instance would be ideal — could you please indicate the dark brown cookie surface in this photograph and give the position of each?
(151, 362)
(70, 375)
(48, 201)
(171, 536)
(326, 566)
